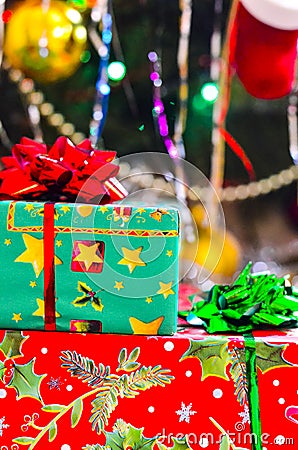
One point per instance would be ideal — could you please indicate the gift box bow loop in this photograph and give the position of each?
(62, 171)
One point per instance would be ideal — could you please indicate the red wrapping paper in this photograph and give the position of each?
(201, 400)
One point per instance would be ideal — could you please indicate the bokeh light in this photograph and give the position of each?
(209, 92)
(116, 71)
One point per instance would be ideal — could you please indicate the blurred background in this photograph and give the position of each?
(262, 226)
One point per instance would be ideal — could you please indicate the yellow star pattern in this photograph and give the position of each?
(131, 258)
(32, 284)
(29, 207)
(103, 209)
(34, 253)
(40, 310)
(7, 241)
(165, 289)
(88, 255)
(59, 243)
(17, 317)
(149, 300)
(118, 285)
(141, 210)
(65, 208)
(169, 253)
(150, 328)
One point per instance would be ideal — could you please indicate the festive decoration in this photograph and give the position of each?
(253, 301)
(45, 41)
(81, 268)
(21, 377)
(223, 76)
(245, 362)
(209, 92)
(158, 106)
(182, 62)
(88, 296)
(64, 171)
(90, 397)
(34, 254)
(265, 47)
(241, 192)
(116, 70)
(175, 145)
(216, 253)
(101, 14)
(5, 16)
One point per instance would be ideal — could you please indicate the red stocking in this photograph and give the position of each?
(263, 56)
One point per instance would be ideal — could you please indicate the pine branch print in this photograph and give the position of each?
(84, 368)
(238, 374)
(106, 387)
(104, 404)
(125, 386)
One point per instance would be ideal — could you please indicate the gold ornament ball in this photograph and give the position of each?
(220, 255)
(45, 43)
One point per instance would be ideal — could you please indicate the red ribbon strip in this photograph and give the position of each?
(239, 151)
(64, 172)
(49, 267)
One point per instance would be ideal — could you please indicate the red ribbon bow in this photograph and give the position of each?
(63, 172)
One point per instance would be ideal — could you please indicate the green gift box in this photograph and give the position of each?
(88, 268)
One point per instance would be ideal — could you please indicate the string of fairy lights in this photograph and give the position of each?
(27, 88)
(38, 107)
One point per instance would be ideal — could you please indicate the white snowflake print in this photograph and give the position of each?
(55, 383)
(245, 415)
(3, 425)
(185, 412)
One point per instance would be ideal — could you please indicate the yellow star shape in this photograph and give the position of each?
(17, 317)
(131, 258)
(169, 253)
(141, 210)
(165, 289)
(88, 255)
(7, 241)
(59, 243)
(29, 207)
(149, 328)
(103, 209)
(32, 284)
(34, 253)
(40, 310)
(65, 208)
(118, 285)
(149, 300)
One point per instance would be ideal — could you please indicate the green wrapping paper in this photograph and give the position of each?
(252, 302)
(88, 268)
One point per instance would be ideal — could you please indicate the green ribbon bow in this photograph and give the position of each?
(253, 301)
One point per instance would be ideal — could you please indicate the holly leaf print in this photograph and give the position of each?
(12, 344)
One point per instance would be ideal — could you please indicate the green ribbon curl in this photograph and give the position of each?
(253, 301)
